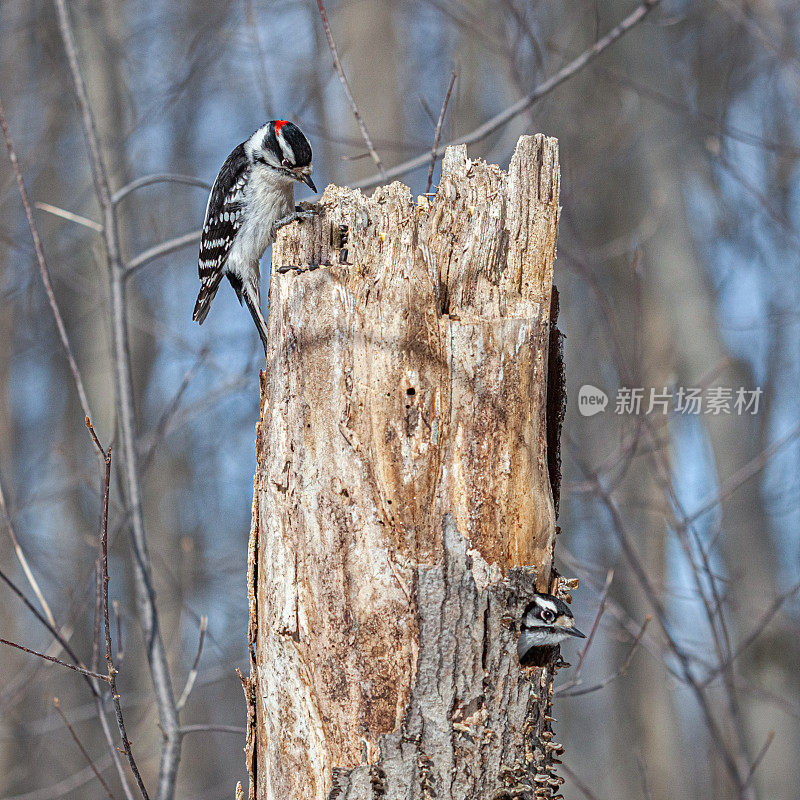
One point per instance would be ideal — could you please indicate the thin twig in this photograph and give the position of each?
(759, 758)
(69, 215)
(139, 698)
(112, 670)
(38, 614)
(91, 682)
(87, 672)
(577, 691)
(83, 750)
(438, 134)
(596, 624)
(62, 788)
(163, 249)
(648, 795)
(744, 474)
(427, 109)
(161, 177)
(579, 784)
(214, 729)
(100, 449)
(661, 615)
(43, 270)
(192, 677)
(496, 122)
(11, 692)
(260, 62)
(171, 410)
(350, 99)
(142, 570)
(98, 614)
(601, 607)
(758, 630)
(23, 561)
(689, 539)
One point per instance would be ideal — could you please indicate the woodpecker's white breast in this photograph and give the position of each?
(268, 197)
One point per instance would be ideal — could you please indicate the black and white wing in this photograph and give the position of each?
(224, 216)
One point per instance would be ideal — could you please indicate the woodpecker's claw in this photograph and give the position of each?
(298, 215)
(300, 212)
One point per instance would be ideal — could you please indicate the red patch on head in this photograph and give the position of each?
(279, 123)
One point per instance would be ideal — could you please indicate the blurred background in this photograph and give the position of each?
(677, 268)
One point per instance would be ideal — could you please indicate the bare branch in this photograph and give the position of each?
(95, 439)
(152, 253)
(496, 122)
(83, 750)
(160, 177)
(596, 624)
(193, 671)
(171, 410)
(350, 99)
(35, 611)
(744, 474)
(577, 691)
(145, 593)
(661, 615)
(427, 109)
(69, 215)
(758, 630)
(43, 270)
(260, 62)
(759, 758)
(601, 607)
(438, 134)
(214, 729)
(112, 671)
(23, 561)
(64, 787)
(91, 682)
(87, 672)
(579, 784)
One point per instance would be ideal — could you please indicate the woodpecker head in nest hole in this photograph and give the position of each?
(546, 622)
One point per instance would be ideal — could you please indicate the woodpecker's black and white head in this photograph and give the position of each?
(546, 622)
(280, 146)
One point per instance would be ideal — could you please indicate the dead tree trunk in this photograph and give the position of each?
(403, 510)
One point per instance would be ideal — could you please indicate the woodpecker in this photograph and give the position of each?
(252, 197)
(546, 622)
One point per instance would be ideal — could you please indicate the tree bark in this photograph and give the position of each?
(403, 513)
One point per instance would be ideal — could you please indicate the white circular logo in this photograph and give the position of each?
(591, 400)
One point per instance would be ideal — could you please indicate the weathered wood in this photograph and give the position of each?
(403, 511)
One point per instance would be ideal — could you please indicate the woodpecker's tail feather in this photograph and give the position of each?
(251, 299)
(204, 299)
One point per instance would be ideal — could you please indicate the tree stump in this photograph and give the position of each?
(403, 511)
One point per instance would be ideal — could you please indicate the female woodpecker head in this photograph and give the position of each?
(546, 621)
(281, 146)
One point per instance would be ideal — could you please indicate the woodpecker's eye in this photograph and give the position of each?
(286, 163)
(548, 615)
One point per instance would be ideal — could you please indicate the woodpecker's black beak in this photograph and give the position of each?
(306, 179)
(574, 632)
